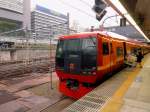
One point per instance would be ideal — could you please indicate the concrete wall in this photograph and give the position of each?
(24, 55)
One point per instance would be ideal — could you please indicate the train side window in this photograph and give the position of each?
(119, 51)
(105, 48)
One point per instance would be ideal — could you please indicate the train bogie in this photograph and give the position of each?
(74, 91)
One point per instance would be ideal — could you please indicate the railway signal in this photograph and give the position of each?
(101, 15)
(99, 9)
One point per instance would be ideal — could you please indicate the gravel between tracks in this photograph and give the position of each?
(23, 68)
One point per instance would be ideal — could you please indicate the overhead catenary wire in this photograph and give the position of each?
(86, 3)
(78, 9)
(81, 11)
(85, 11)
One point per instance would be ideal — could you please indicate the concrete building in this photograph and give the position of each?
(16, 11)
(48, 23)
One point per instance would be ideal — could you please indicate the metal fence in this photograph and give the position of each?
(30, 50)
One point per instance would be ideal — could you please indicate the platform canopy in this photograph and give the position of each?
(137, 12)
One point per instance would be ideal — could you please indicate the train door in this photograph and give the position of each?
(106, 55)
(119, 54)
(128, 48)
(124, 49)
(112, 56)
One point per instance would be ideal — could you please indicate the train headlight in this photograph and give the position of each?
(94, 73)
(84, 72)
(89, 72)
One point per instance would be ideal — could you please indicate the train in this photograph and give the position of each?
(84, 59)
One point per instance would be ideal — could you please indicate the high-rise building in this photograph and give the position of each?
(48, 23)
(16, 12)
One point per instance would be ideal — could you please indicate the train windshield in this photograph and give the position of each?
(89, 54)
(76, 55)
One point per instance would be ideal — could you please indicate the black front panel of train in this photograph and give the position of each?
(76, 55)
(72, 56)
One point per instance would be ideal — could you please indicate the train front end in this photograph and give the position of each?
(76, 64)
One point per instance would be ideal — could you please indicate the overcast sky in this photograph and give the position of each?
(79, 10)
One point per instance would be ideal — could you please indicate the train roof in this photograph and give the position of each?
(79, 35)
(105, 33)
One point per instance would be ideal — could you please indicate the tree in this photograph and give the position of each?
(7, 26)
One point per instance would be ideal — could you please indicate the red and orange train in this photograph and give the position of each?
(82, 60)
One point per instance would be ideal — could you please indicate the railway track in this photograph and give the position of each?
(18, 69)
(59, 105)
(22, 61)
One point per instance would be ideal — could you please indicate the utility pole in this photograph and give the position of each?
(68, 22)
(50, 56)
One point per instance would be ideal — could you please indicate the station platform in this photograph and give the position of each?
(126, 91)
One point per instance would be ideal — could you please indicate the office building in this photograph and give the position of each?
(48, 23)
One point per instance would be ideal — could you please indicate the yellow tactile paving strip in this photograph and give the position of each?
(115, 103)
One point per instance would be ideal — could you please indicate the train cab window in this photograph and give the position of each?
(105, 48)
(89, 44)
(73, 45)
(60, 49)
(119, 51)
(89, 53)
(60, 54)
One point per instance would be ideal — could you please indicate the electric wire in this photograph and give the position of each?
(81, 11)
(87, 4)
